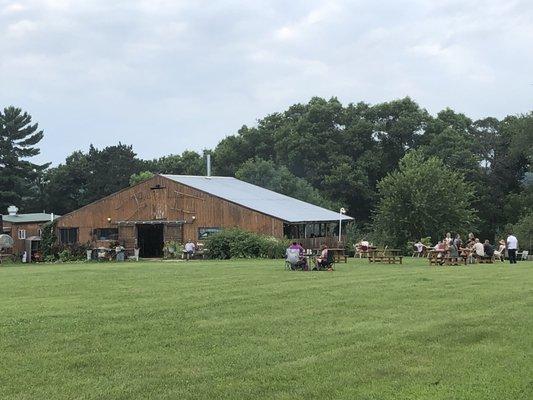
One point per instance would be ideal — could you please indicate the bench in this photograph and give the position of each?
(340, 257)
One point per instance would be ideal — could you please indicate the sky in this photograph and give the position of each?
(166, 76)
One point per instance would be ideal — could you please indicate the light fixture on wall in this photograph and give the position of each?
(108, 219)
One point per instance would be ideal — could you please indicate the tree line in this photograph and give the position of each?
(401, 172)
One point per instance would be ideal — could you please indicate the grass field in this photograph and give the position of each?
(247, 329)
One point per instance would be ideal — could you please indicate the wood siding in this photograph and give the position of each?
(161, 199)
(31, 228)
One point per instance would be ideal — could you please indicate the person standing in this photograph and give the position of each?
(512, 247)
(457, 241)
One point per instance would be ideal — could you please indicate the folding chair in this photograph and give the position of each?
(292, 259)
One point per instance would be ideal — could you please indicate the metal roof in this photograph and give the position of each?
(28, 218)
(259, 199)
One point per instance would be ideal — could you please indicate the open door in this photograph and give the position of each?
(150, 240)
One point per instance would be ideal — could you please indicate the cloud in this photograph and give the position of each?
(186, 73)
(13, 8)
(20, 28)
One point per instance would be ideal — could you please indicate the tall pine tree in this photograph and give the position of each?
(18, 175)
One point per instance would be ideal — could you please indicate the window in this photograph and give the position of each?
(40, 232)
(22, 234)
(106, 234)
(204, 233)
(68, 235)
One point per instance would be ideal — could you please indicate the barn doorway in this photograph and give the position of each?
(150, 240)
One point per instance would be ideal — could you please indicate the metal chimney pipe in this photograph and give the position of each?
(208, 165)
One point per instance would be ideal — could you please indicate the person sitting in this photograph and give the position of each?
(322, 261)
(488, 249)
(479, 250)
(440, 248)
(500, 253)
(448, 239)
(301, 262)
(292, 257)
(119, 251)
(189, 250)
(362, 248)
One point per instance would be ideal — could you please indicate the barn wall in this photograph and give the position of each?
(172, 202)
(213, 212)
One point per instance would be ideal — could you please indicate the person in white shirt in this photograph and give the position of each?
(479, 249)
(512, 247)
(190, 248)
(420, 248)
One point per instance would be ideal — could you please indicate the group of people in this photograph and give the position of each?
(472, 249)
(296, 256)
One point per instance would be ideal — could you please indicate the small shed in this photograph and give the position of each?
(25, 229)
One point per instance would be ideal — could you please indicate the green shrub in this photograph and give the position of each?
(49, 239)
(172, 249)
(523, 230)
(238, 243)
(73, 252)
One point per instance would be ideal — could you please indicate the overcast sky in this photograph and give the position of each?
(167, 76)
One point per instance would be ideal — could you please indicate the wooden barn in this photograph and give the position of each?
(180, 208)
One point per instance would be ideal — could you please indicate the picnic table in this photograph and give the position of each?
(338, 254)
(441, 257)
(389, 256)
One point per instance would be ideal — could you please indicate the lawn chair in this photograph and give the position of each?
(292, 260)
(330, 261)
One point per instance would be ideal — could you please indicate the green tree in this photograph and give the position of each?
(140, 177)
(66, 185)
(523, 230)
(18, 175)
(86, 177)
(422, 198)
(188, 163)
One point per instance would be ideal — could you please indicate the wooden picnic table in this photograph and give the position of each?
(389, 256)
(440, 257)
(338, 254)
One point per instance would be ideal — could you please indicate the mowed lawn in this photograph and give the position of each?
(248, 329)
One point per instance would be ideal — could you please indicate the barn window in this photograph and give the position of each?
(106, 233)
(22, 234)
(204, 233)
(68, 235)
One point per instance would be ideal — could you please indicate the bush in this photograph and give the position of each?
(49, 239)
(523, 231)
(65, 253)
(172, 249)
(237, 243)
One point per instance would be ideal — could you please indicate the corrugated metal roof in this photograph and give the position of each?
(28, 218)
(259, 199)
